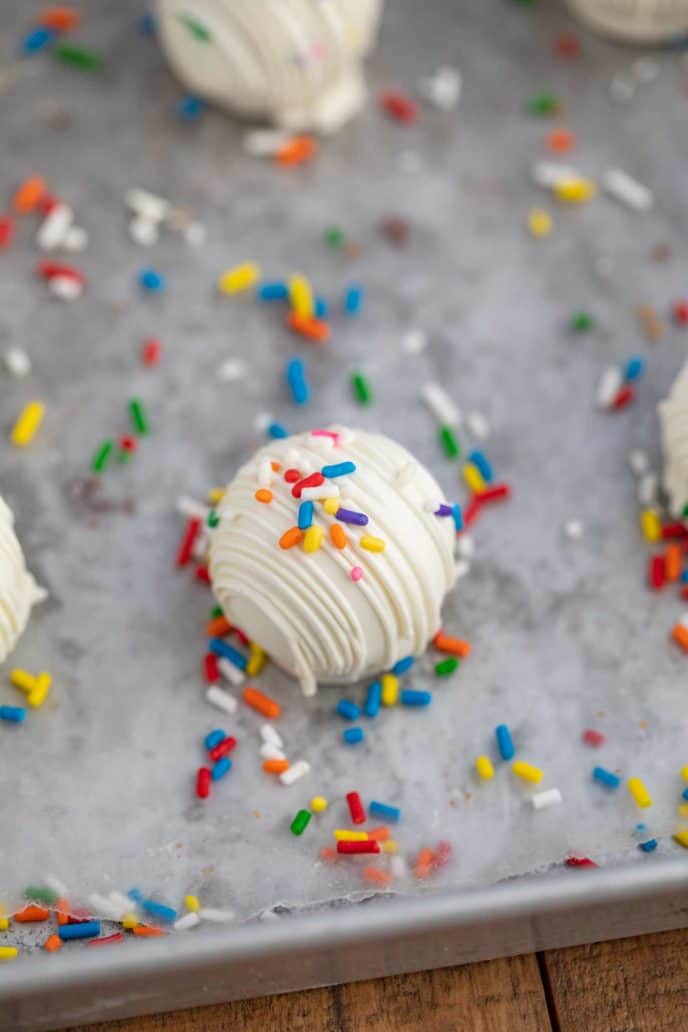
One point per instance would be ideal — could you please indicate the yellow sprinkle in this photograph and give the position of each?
(527, 771)
(390, 689)
(390, 846)
(312, 539)
(683, 809)
(215, 495)
(257, 660)
(238, 278)
(318, 804)
(330, 505)
(8, 952)
(474, 478)
(640, 794)
(539, 222)
(192, 903)
(39, 692)
(575, 191)
(26, 427)
(372, 544)
(651, 525)
(681, 837)
(344, 835)
(130, 921)
(22, 679)
(4, 920)
(300, 295)
(483, 765)
(684, 773)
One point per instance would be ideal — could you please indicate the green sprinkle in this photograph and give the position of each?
(543, 104)
(196, 28)
(78, 57)
(581, 322)
(334, 236)
(40, 894)
(448, 440)
(684, 514)
(215, 612)
(362, 389)
(139, 417)
(446, 666)
(102, 456)
(213, 518)
(300, 822)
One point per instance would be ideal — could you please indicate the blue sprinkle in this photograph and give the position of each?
(480, 460)
(402, 665)
(338, 469)
(223, 648)
(190, 108)
(649, 846)
(384, 811)
(214, 738)
(373, 700)
(276, 291)
(684, 576)
(13, 714)
(277, 431)
(353, 299)
(320, 308)
(159, 910)
(36, 40)
(504, 742)
(684, 793)
(348, 709)
(635, 367)
(148, 25)
(83, 930)
(353, 735)
(641, 827)
(295, 373)
(136, 895)
(305, 518)
(411, 697)
(151, 280)
(220, 768)
(606, 777)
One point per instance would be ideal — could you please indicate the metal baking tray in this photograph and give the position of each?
(98, 785)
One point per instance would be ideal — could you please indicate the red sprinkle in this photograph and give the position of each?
(356, 808)
(580, 861)
(657, 572)
(684, 592)
(400, 106)
(6, 231)
(567, 44)
(441, 855)
(47, 203)
(495, 493)
(222, 748)
(471, 512)
(48, 270)
(203, 782)
(188, 540)
(241, 636)
(151, 352)
(128, 444)
(314, 480)
(592, 737)
(106, 940)
(202, 573)
(371, 846)
(210, 668)
(680, 312)
(292, 475)
(675, 531)
(624, 396)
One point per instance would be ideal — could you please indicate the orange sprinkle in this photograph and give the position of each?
(376, 875)
(60, 19)
(561, 141)
(673, 561)
(338, 536)
(275, 766)
(329, 855)
(52, 943)
(262, 703)
(29, 194)
(276, 467)
(291, 537)
(148, 931)
(310, 327)
(218, 627)
(297, 150)
(62, 911)
(455, 646)
(680, 636)
(423, 864)
(263, 495)
(380, 834)
(32, 912)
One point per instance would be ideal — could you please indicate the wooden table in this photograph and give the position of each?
(631, 985)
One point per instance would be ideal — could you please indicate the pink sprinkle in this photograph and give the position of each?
(592, 737)
(356, 573)
(326, 433)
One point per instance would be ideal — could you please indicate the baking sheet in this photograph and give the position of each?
(98, 786)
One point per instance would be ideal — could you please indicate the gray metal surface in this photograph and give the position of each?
(98, 785)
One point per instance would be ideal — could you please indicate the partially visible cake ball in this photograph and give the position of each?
(18, 589)
(673, 414)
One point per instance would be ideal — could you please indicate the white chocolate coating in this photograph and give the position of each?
(293, 62)
(673, 415)
(305, 609)
(18, 589)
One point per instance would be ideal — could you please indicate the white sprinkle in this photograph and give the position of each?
(195, 234)
(54, 227)
(201, 545)
(270, 734)
(608, 386)
(647, 489)
(143, 232)
(261, 421)
(66, 288)
(462, 568)
(230, 672)
(57, 886)
(405, 475)
(549, 174)
(265, 473)
(190, 508)
(409, 162)
(268, 751)
(187, 921)
(443, 89)
(398, 866)
(17, 362)
(123, 904)
(574, 530)
(264, 143)
(645, 70)
(76, 239)
(326, 490)
(465, 546)
(104, 907)
(149, 206)
(621, 90)
(223, 700)
(39, 594)
(441, 405)
(432, 504)
(414, 342)
(216, 916)
(295, 772)
(639, 461)
(232, 369)
(627, 190)
(683, 619)
(550, 797)
(478, 425)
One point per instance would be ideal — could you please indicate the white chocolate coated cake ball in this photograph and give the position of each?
(18, 589)
(673, 415)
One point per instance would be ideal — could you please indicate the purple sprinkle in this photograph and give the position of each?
(444, 510)
(349, 516)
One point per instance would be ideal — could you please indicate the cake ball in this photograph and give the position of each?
(18, 589)
(334, 552)
(673, 415)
